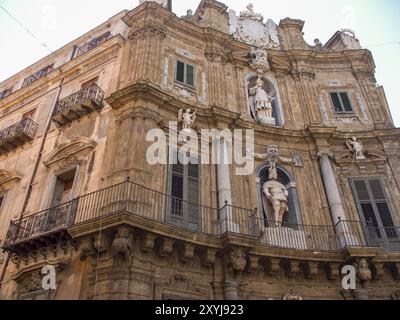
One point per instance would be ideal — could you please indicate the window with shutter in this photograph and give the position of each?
(374, 207)
(184, 202)
(341, 102)
(185, 73)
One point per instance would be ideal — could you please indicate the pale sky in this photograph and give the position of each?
(376, 23)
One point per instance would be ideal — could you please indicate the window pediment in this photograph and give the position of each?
(8, 179)
(69, 151)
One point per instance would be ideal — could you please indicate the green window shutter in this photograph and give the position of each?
(336, 102)
(190, 75)
(180, 71)
(346, 102)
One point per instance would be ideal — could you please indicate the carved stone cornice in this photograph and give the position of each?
(218, 55)
(150, 29)
(8, 179)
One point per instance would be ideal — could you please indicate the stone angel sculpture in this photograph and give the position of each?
(356, 148)
(187, 118)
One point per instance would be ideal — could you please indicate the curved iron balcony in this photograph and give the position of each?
(17, 134)
(78, 104)
(136, 200)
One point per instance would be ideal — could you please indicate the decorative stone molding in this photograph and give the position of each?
(152, 30)
(333, 272)
(291, 296)
(311, 269)
(209, 256)
(166, 248)
(187, 252)
(237, 259)
(219, 55)
(8, 179)
(101, 243)
(182, 283)
(254, 264)
(66, 154)
(148, 242)
(87, 248)
(274, 267)
(379, 270)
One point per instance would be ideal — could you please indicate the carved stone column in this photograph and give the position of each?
(224, 187)
(331, 188)
(231, 290)
(335, 201)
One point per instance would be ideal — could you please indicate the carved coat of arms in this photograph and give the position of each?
(250, 27)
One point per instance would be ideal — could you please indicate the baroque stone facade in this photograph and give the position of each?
(77, 192)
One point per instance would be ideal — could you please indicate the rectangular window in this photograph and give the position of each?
(63, 189)
(184, 189)
(341, 102)
(373, 206)
(185, 73)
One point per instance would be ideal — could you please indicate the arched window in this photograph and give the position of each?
(293, 217)
(270, 88)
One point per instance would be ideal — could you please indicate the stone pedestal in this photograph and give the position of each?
(268, 121)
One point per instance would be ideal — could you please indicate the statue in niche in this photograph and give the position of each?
(262, 103)
(277, 194)
(356, 148)
(187, 118)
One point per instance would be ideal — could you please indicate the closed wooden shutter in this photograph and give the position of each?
(336, 102)
(374, 206)
(184, 207)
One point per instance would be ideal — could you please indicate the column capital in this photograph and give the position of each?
(330, 154)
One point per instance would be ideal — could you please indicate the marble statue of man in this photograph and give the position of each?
(277, 194)
(187, 118)
(356, 148)
(262, 102)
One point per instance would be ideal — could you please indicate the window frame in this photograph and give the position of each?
(185, 67)
(339, 93)
(185, 200)
(372, 201)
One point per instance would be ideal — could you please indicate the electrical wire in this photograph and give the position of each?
(25, 28)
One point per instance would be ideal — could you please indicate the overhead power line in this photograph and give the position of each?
(383, 44)
(25, 28)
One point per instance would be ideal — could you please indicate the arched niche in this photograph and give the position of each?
(271, 88)
(293, 218)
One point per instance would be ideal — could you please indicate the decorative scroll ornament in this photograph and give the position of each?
(250, 28)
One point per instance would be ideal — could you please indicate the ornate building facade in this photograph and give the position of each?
(78, 193)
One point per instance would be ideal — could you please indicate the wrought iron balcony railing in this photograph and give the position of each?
(94, 43)
(150, 205)
(17, 134)
(37, 75)
(78, 104)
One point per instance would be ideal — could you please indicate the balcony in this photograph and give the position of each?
(17, 134)
(94, 43)
(78, 104)
(149, 207)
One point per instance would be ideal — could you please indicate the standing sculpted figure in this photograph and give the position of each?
(262, 102)
(187, 118)
(356, 148)
(277, 194)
